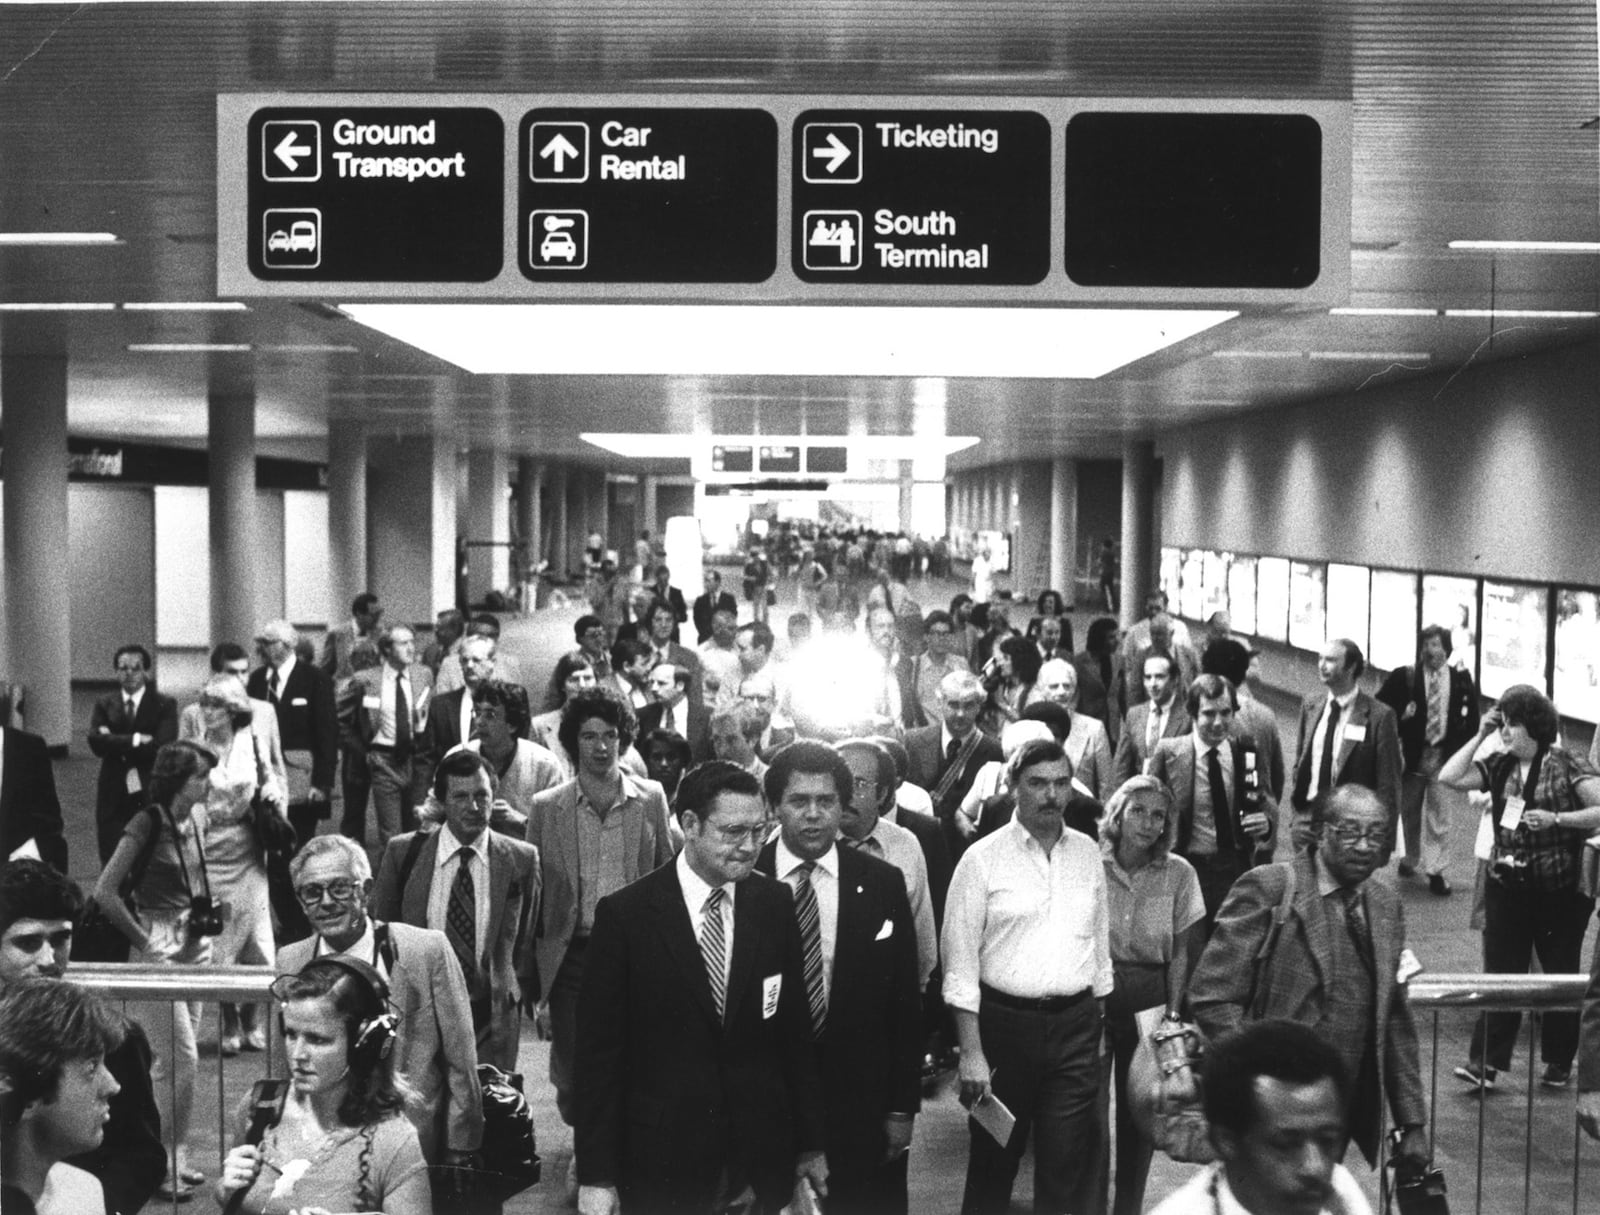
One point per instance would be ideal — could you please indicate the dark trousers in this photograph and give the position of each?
(866, 1186)
(355, 781)
(1046, 1070)
(1217, 874)
(1138, 987)
(1519, 922)
(563, 1000)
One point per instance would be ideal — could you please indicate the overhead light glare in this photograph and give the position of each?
(708, 339)
(309, 348)
(59, 238)
(57, 307)
(1524, 313)
(1329, 356)
(1385, 312)
(1530, 246)
(685, 446)
(189, 348)
(185, 306)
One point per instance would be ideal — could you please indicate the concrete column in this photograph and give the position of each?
(347, 514)
(530, 516)
(649, 507)
(1063, 527)
(907, 481)
(488, 518)
(33, 393)
(446, 482)
(1138, 509)
(412, 543)
(560, 538)
(599, 512)
(231, 440)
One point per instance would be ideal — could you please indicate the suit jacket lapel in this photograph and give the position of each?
(852, 931)
(746, 942)
(500, 875)
(1360, 710)
(677, 930)
(414, 898)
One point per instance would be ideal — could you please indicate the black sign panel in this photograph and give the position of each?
(619, 195)
(376, 194)
(1193, 200)
(921, 196)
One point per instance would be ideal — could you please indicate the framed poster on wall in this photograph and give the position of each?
(1272, 598)
(1242, 594)
(1171, 564)
(1192, 598)
(1515, 624)
(1394, 619)
(1216, 584)
(1576, 689)
(1308, 605)
(1453, 603)
(1350, 603)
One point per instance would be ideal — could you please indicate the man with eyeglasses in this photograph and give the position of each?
(945, 758)
(1336, 943)
(595, 833)
(126, 729)
(434, 1050)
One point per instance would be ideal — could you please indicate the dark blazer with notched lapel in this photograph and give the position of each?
(1407, 686)
(871, 1043)
(1132, 752)
(1374, 760)
(1173, 762)
(928, 765)
(695, 720)
(29, 807)
(306, 718)
(157, 719)
(668, 1095)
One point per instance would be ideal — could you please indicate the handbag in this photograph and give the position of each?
(273, 831)
(94, 937)
(1164, 1089)
(508, 1160)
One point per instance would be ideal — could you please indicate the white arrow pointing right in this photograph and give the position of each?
(290, 152)
(836, 153)
(559, 149)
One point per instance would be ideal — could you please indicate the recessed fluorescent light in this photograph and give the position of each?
(1372, 356)
(1258, 354)
(310, 348)
(180, 306)
(686, 339)
(1525, 313)
(684, 446)
(1530, 246)
(1385, 312)
(189, 348)
(57, 307)
(59, 238)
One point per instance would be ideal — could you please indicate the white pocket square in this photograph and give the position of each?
(886, 931)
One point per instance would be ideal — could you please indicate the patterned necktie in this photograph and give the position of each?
(950, 751)
(1355, 920)
(1221, 810)
(1153, 735)
(805, 907)
(402, 717)
(461, 918)
(1325, 768)
(1435, 708)
(713, 949)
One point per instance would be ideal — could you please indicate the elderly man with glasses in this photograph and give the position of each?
(435, 1050)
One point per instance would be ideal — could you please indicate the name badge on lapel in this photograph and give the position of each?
(1355, 733)
(771, 988)
(299, 701)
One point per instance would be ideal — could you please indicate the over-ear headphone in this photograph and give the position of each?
(373, 1033)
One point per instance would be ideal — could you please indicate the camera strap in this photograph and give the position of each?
(200, 850)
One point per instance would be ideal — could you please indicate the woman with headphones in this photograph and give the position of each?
(342, 1142)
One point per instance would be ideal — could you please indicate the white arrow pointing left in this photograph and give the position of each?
(290, 152)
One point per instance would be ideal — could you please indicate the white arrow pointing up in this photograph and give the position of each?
(835, 153)
(558, 149)
(290, 152)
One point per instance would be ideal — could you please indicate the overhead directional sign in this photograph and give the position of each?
(391, 194)
(617, 195)
(921, 196)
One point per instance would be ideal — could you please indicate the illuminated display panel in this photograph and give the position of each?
(1215, 571)
(1242, 594)
(732, 459)
(1308, 605)
(1394, 619)
(1515, 618)
(1349, 603)
(1577, 677)
(1453, 603)
(1171, 563)
(1192, 584)
(1272, 598)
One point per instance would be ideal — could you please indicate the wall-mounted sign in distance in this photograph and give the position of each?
(921, 196)
(618, 195)
(411, 194)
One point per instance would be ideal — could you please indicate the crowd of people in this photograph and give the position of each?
(761, 896)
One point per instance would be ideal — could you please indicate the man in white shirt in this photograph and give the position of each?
(1274, 1099)
(720, 670)
(1027, 959)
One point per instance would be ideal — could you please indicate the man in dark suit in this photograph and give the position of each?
(1162, 715)
(697, 1078)
(479, 888)
(662, 591)
(29, 807)
(302, 697)
(673, 710)
(1226, 814)
(945, 758)
(1437, 708)
(864, 993)
(661, 624)
(365, 613)
(1345, 737)
(449, 721)
(715, 599)
(384, 710)
(126, 728)
(1336, 940)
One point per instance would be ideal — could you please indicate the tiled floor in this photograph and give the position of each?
(1438, 932)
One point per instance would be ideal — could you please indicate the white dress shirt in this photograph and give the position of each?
(695, 893)
(1345, 702)
(825, 884)
(1203, 826)
(445, 865)
(1025, 922)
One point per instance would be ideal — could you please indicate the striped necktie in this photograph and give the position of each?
(713, 950)
(461, 918)
(805, 906)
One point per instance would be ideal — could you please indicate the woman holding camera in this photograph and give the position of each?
(160, 863)
(1008, 677)
(342, 1142)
